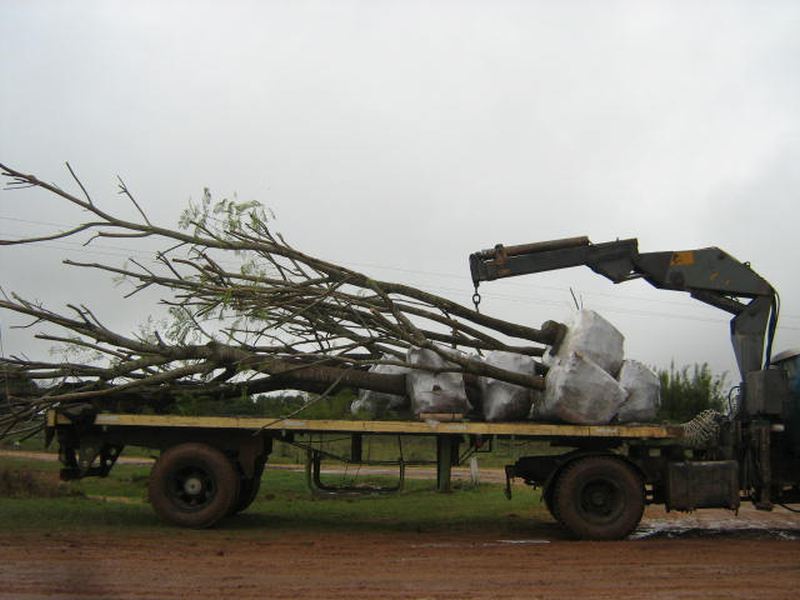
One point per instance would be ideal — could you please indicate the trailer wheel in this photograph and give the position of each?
(193, 485)
(248, 490)
(599, 498)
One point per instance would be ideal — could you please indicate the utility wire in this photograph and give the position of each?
(125, 252)
(438, 274)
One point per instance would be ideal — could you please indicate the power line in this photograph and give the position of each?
(612, 295)
(622, 295)
(18, 220)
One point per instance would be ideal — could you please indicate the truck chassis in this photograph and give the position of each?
(596, 483)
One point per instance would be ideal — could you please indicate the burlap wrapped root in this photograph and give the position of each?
(377, 405)
(502, 401)
(437, 390)
(594, 338)
(643, 390)
(580, 386)
(579, 391)
(446, 393)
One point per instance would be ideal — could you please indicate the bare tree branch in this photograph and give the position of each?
(289, 320)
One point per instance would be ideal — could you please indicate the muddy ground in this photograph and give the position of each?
(708, 556)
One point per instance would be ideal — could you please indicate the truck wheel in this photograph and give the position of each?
(193, 485)
(599, 498)
(547, 495)
(248, 490)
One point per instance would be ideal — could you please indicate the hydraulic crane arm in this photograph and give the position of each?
(708, 274)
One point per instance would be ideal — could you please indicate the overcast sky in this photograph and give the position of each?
(399, 137)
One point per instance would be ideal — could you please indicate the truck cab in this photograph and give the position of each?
(789, 362)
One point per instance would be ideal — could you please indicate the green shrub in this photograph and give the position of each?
(685, 392)
(332, 407)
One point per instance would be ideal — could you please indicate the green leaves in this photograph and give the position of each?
(223, 218)
(180, 325)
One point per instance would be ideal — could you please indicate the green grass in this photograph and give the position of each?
(34, 443)
(284, 503)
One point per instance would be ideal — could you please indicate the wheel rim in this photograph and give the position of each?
(191, 488)
(600, 500)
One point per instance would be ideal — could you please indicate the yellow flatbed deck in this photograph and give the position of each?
(426, 427)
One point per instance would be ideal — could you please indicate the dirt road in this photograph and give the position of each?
(670, 559)
(709, 554)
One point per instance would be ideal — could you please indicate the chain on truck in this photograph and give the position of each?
(597, 480)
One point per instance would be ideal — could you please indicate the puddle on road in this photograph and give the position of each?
(690, 528)
(681, 528)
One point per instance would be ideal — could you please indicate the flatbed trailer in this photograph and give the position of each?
(597, 479)
(596, 482)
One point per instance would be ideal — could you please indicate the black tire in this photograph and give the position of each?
(248, 490)
(599, 498)
(193, 485)
(547, 496)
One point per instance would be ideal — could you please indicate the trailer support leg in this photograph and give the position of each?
(446, 457)
(356, 448)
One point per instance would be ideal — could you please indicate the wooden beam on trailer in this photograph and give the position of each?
(520, 428)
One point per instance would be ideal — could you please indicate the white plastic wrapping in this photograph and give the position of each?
(502, 401)
(594, 338)
(644, 393)
(435, 392)
(536, 412)
(377, 405)
(579, 391)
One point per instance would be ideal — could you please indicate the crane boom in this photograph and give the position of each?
(710, 275)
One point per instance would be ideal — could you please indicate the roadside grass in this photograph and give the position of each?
(125, 481)
(25, 483)
(34, 443)
(284, 503)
